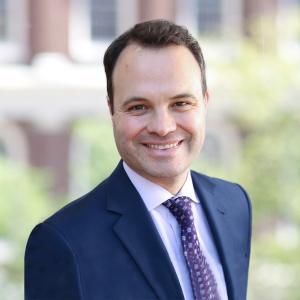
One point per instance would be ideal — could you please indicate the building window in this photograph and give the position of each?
(103, 19)
(3, 15)
(13, 30)
(93, 24)
(209, 16)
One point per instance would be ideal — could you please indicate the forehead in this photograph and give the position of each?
(164, 62)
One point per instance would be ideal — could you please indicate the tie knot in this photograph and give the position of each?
(181, 209)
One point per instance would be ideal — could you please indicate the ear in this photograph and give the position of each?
(206, 100)
(110, 104)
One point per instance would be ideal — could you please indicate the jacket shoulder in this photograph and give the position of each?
(78, 208)
(220, 185)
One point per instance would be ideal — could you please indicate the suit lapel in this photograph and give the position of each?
(218, 219)
(138, 234)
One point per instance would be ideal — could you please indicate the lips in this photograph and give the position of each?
(164, 146)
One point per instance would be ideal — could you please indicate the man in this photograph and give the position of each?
(153, 229)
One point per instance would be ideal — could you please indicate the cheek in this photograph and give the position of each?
(193, 123)
(128, 128)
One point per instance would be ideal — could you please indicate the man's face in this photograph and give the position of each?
(159, 111)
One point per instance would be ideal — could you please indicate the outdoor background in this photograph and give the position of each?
(55, 135)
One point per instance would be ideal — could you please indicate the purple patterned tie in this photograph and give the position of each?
(203, 281)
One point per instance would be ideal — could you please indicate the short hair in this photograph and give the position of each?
(152, 34)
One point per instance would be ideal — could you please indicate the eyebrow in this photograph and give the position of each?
(176, 97)
(184, 95)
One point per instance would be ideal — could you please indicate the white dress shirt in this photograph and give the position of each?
(153, 196)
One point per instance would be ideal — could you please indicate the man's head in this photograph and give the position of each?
(159, 103)
(151, 34)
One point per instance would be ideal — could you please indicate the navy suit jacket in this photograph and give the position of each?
(106, 246)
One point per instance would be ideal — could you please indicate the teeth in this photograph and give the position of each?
(162, 147)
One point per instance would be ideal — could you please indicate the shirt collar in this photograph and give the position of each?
(153, 194)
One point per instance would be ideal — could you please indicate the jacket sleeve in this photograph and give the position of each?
(51, 271)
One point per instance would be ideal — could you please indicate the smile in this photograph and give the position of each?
(163, 146)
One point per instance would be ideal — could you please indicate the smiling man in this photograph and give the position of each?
(154, 229)
(158, 112)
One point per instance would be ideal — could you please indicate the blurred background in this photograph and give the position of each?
(55, 135)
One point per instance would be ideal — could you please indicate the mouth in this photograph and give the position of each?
(165, 146)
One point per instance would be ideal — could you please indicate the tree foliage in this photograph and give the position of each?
(264, 92)
(24, 202)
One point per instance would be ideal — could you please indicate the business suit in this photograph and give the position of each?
(105, 245)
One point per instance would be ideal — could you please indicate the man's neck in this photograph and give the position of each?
(171, 184)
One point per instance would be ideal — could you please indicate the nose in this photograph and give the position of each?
(161, 123)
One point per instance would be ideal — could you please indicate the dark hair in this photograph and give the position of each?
(156, 34)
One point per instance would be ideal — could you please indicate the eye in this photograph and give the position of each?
(137, 107)
(182, 105)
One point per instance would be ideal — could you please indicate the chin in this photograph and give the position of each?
(166, 172)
